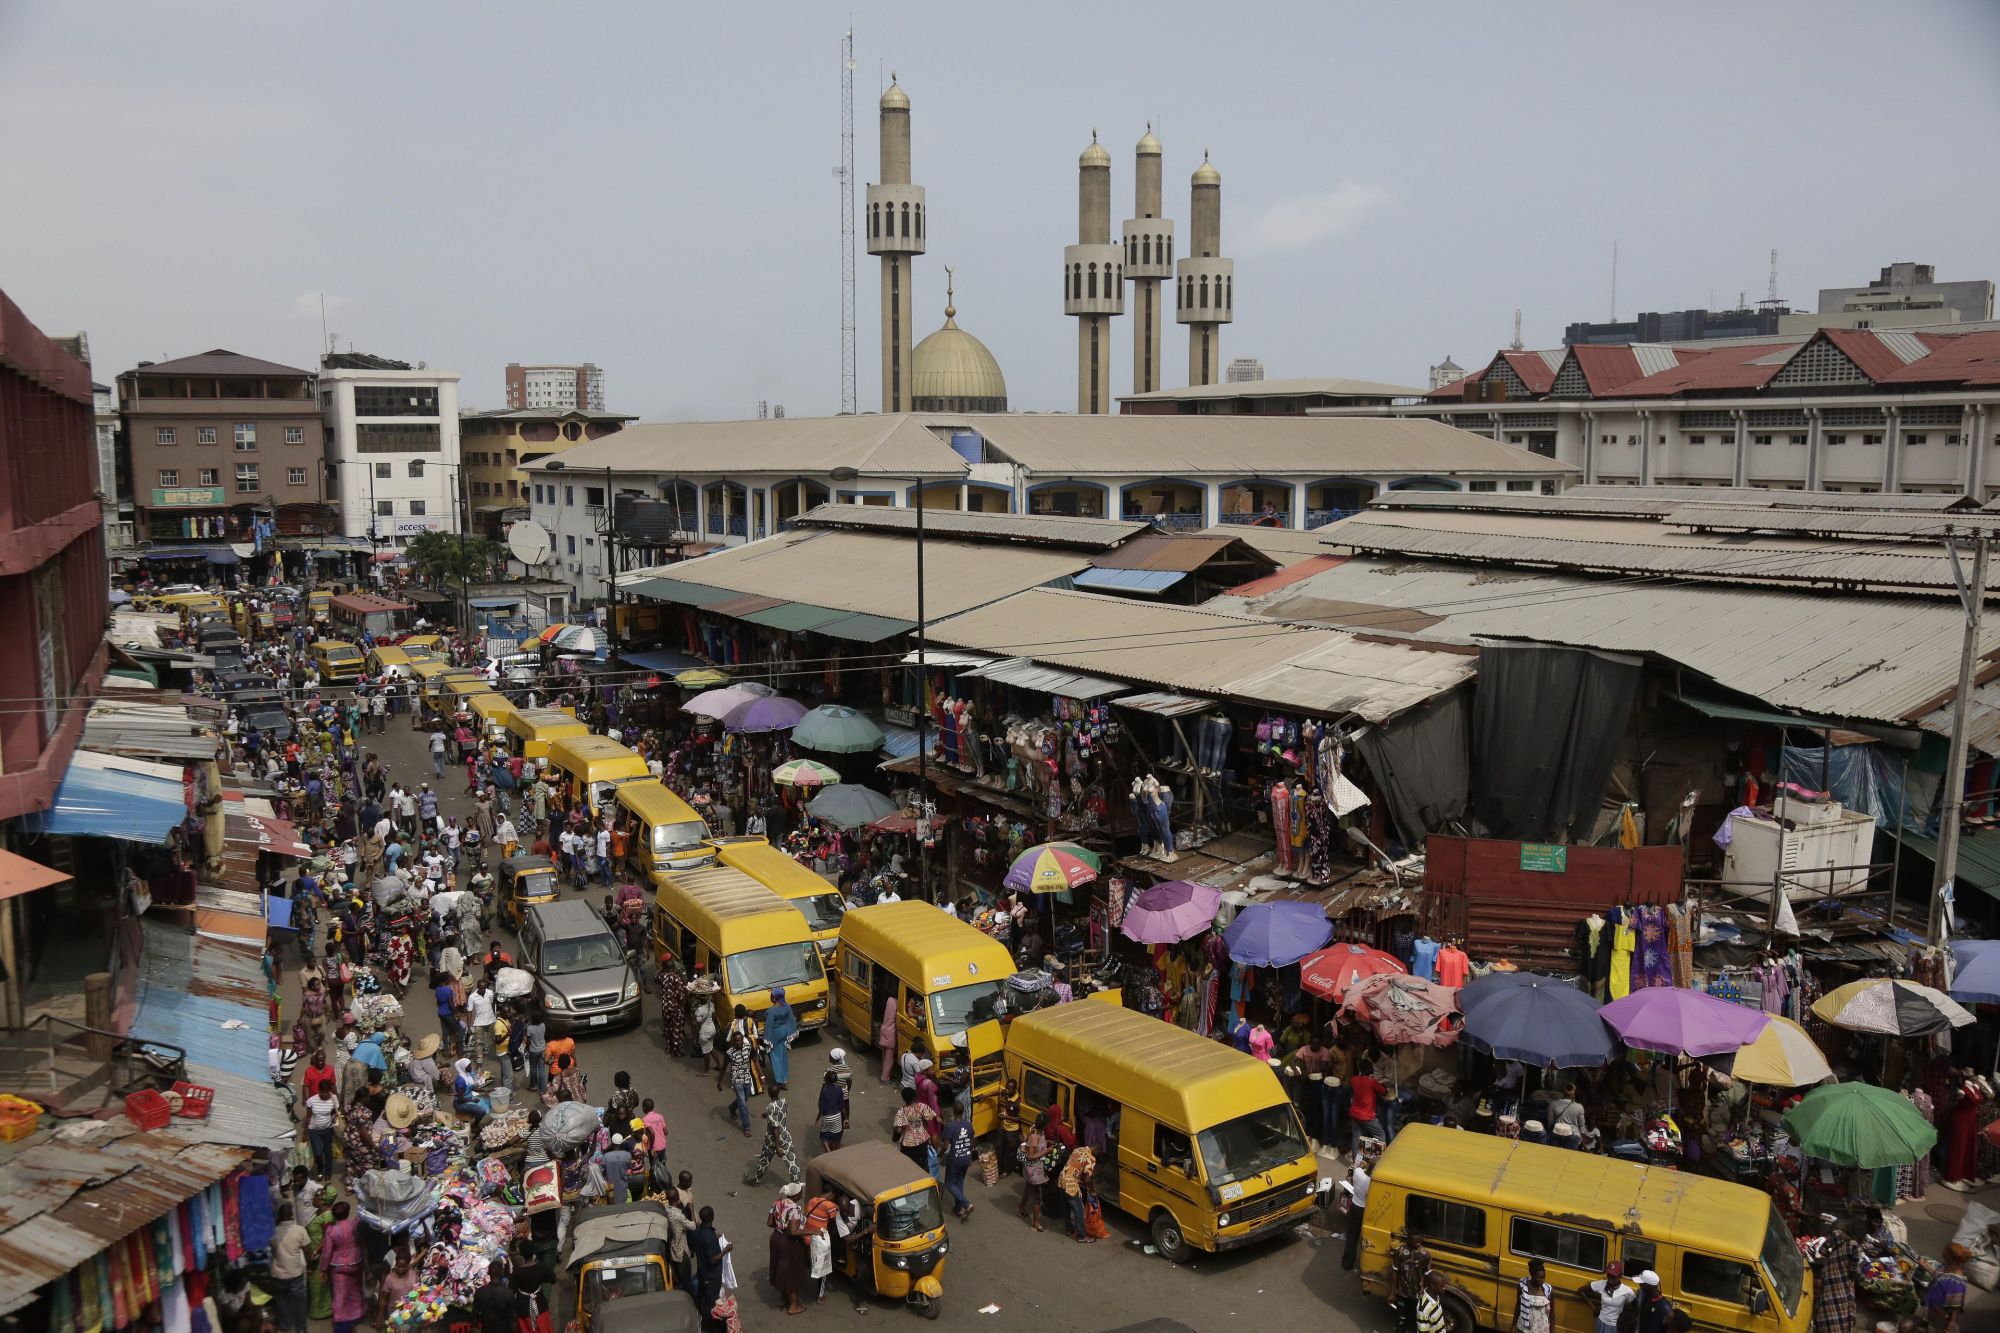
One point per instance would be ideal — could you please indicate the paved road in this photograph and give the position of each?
(1044, 1282)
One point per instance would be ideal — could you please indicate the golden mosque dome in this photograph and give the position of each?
(895, 99)
(1148, 145)
(952, 371)
(1205, 174)
(1095, 155)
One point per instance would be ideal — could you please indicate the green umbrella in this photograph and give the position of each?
(837, 729)
(1860, 1125)
(804, 773)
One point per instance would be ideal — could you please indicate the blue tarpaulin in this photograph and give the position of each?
(898, 742)
(1129, 580)
(489, 603)
(106, 803)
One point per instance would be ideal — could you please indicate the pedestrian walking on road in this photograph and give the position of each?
(437, 753)
(777, 1139)
(738, 1068)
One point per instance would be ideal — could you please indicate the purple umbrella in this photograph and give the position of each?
(1682, 1022)
(1171, 912)
(1274, 934)
(776, 713)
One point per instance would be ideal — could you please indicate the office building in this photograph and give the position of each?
(1672, 326)
(1903, 295)
(555, 388)
(391, 446)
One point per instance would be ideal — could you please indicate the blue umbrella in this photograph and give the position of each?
(1977, 978)
(1539, 1022)
(1481, 989)
(1275, 934)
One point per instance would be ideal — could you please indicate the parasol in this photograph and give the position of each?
(1052, 867)
(775, 713)
(701, 678)
(1674, 1021)
(719, 703)
(1403, 1009)
(1859, 1125)
(850, 807)
(1481, 989)
(1976, 979)
(1170, 912)
(549, 635)
(576, 639)
(1538, 1021)
(804, 773)
(1890, 1008)
(1333, 969)
(837, 729)
(1274, 934)
(1782, 1056)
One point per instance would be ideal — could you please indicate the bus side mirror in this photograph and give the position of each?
(1759, 1300)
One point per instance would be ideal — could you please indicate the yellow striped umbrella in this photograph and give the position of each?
(1783, 1056)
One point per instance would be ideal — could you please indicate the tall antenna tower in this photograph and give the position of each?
(1516, 344)
(849, 401)
(1771, 292)
(1614, 282)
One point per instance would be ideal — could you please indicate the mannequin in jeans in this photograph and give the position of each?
(1159, 805)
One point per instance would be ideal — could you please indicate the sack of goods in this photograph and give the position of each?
(513, 983)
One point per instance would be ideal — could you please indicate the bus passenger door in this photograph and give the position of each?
(852, 979)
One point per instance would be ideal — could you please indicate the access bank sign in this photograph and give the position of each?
(406, 527)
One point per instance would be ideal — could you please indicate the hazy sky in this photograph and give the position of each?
(650, 186)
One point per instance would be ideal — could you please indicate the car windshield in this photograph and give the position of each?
(672, 837)
(1782, 1262)
(955, 1010)
(911, 1215)
(1251, 1144)
(536, 884)
(342, 654)
(822, 910)
(756, 970)
(590, 953)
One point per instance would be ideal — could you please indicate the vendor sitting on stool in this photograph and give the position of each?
(466, 1097)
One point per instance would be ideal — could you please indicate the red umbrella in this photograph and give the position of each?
(1404, 1009)
(1333, 969)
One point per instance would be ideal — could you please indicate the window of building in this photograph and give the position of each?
(1871, 439)
(412, 439)
(1520, 485)
(1916, 439)
(1487, 485)
(246, 435)
(170, 476)
(384, 471)
(417, 507)
(569, 495)
(1797, 439)
(570, 543)
(164, 435)
(295, 476)
(594, 496)
(211, 476)
(416, 467)
(385, 508)
(295, 435)
(1760, 439)
(394, 400)
(1451, 1223)
(590, 541)
(246, 478)
(512, 459)
(1567, 1246)
(1697, 439)
(1951, 439)
(204, 435)
(1836, 439)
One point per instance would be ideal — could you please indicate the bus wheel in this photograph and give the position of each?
(1457, 1314)
(1167, 1237)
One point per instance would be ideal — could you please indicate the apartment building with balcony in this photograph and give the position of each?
(498, 444)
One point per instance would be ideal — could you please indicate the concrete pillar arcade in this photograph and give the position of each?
(1093, 279)
(1205, 284)
(895, 226)
(1149, 261)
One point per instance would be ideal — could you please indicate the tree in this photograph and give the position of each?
(446, 557)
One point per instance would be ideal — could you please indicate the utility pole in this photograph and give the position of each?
(1951, 807)
(849, 395)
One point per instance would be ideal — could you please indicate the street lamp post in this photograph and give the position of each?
(848, 474)
(609, 533)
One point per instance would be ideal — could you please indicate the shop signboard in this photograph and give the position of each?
(186, 497)
(1547, 857)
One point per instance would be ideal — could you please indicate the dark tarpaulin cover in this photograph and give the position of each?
(1420, 765)
(1546, 728)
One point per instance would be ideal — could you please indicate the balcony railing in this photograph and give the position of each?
(1319, 518)
(1171, 522)
(1259, 520)
(736, 526)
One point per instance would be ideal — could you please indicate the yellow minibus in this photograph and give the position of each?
(721, 923)
(818, 901)
(663, 831)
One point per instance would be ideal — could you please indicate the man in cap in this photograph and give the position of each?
(1609, 1296)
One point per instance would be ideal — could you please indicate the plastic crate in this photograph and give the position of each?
(18, 1117)
(147, 1109)
(194, 1100)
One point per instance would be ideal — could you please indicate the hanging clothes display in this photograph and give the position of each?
(1281, 824)
(1624, 940)
(1654, 965)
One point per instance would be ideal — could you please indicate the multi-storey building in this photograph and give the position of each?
(555, 388)
(391, 446)
(498, 444)
(219, 442)
(1914, 411)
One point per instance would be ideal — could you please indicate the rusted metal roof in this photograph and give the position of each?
(1931, 526)
(113, 1191)
(1055, 529)
(191, 985)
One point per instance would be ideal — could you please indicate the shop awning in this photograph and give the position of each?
(898, 742)
(1978, 857)
(178, 553)
(244, 550)
(107, 803)
(265, 833)
(1024, 674)
(863, 628)
(793, 616)
(223, 556)
(679, 590)
(1128, 580)
(743, 604)
(663, 660)
(19, 875)
(1165, 705)
(1731, 712)
(488, 603)
(947, 657)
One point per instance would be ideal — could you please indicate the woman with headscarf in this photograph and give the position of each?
(358, 1139)
(319, 1291)
(340, 1259)
(781, 1025)
(567, 1078)
(788, 1247)
(466, 1098)
(885, 1037)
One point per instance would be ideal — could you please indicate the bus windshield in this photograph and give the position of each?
(756, 970)
(822, 910)
(673, 837)
(955, 1010)
(1782, 1263)
(1251, 1144)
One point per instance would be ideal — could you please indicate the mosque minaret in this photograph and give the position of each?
(1149, 261)
(896, 233)
(1093, 280)
(1206, 283)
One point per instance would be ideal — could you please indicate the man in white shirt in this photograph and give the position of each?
(915, 1061)
(889, 895)
(604, 856)
(480, 1004)
(566, 844)
(1355, 1190)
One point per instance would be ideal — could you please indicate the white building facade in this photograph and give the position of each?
(392, 451)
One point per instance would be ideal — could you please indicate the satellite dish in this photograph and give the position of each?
(528, 542)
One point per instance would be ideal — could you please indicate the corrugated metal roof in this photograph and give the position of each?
(1287, 546)
(1276, 389)
(1882, 658)
(678, 590)
(875, 573)
(1769, 496)
(190, 985)
(1128, 580)
(1655, 357)
(1833, 522)
(794, 616)
(1198, 651)
(792, 446)
(222, 361)
(1024, 674)
(866, 628)
(118, 1189)
(1164, 704)
(1059, 529)
(1290, 574)
(1969, 359)
(1804, 563)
